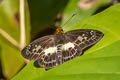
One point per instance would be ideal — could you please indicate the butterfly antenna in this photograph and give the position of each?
(68, 19)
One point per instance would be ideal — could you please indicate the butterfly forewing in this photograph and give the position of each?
(84, 37)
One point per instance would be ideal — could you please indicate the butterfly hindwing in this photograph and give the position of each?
(70, 49)
(71, 53)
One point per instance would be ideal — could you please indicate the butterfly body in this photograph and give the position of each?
(52, 50)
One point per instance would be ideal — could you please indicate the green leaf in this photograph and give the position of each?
(81, 13)
(102, 62)
(43, 13)
(10, 55)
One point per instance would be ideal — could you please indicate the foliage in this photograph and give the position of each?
(10, 55)
(100, 62)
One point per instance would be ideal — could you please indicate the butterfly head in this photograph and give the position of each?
(59, 30)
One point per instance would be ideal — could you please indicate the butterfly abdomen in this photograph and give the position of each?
(59, 53)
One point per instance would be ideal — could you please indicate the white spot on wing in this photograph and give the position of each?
(85, 38)
(35, 45)
(80, 38)
(68, 45)
(83, 35)
(38, 47)
(50, 50)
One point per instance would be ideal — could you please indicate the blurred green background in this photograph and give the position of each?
(100, 62)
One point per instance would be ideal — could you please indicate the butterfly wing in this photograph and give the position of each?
(42, 50)
(70, 50)
(84, 37)
(80, 39)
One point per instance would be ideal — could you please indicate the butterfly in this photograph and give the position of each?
(52, 50)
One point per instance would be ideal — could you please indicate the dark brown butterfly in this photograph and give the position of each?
(52, 50)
